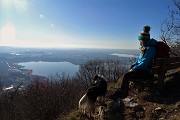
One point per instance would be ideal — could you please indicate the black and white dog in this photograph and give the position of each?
(98, 88)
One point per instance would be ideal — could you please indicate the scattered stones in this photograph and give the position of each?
(158, 112)
(129, 102)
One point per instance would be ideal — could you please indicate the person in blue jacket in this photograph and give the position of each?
(141, 69)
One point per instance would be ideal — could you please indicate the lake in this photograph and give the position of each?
(123, 55)
(50, 68)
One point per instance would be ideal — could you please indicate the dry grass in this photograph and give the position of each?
(42, 100)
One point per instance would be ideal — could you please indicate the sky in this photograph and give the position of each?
(111, 24)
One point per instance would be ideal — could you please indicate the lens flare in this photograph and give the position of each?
(17, 4)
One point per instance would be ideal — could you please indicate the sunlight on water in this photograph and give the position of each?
(123, 55)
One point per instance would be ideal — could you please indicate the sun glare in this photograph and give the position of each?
(7, 34)
(18, 4)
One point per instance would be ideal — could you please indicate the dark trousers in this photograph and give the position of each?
(137, 74)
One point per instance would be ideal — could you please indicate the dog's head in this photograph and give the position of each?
(98, 79)
(101, 83)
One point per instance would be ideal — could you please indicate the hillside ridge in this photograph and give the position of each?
(147, 105)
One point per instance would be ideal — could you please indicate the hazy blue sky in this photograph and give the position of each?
(79, 23)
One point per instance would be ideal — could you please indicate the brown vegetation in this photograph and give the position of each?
(54, 97)
(42, 99)
(110, 69)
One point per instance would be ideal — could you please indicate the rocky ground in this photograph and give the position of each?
(147, 105)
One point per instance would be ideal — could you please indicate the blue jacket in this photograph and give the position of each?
(145, 62)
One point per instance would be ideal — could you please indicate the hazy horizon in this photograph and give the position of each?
(69, 48)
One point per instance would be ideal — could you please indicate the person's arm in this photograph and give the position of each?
(146, 59)
(133, 65)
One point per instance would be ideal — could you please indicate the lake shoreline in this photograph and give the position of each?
(47, 69)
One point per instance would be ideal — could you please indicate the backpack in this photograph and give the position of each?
(163, 49)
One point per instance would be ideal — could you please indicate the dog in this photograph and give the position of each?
(101, 82)
(97, 89)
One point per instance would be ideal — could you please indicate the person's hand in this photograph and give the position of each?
(132, 66)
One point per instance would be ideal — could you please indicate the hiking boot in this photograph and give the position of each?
(117, 94)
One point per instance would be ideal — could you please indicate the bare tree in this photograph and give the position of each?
(170, 28)
(110, 69)
(88, 69)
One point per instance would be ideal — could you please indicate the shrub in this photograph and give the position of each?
(42, 99)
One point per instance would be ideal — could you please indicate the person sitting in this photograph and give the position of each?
(141, 69)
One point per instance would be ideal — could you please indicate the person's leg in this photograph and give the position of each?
(123, 91)
(125, 82)
(137, 74)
